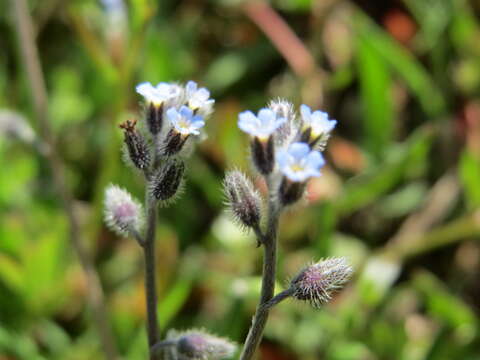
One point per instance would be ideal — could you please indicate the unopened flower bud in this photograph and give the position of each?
(200, 345)
(137, 146)
(283, 109)
(291, 191)
(167, 180)
(244, 200)
(123, 214)
(317, 282)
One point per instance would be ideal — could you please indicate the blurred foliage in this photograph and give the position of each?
(400, 197)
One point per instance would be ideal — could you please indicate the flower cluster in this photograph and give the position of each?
(157, 145)
(286, 148)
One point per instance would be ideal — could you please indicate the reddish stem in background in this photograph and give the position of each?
(282, 36)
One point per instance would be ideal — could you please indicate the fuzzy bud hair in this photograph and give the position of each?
(165, 184)
(200, 345)
(123, 214)
(317, 282)
(136, 144)
(284, 109)
(244, 201)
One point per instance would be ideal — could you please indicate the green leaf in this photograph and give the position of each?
(403, 63)
(469, 171)
(366, 188)
(376, 91)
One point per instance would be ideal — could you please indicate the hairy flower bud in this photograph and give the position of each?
(137, 146)
(284, 109)
(167, 180)
(317, 282)
(123, 214)
(200, 345)
(244, 201)
(291, 191)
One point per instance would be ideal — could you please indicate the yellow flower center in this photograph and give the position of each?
(297, 168)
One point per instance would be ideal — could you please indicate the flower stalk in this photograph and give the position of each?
(286, 153)
(156, 148)
(269, 241)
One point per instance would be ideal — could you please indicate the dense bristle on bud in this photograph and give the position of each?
(283, 109)
(317, 282)
(200, 345)
(137, 146)
(243, 199)
(167, 180)
(123, 214)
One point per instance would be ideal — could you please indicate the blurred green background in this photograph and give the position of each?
(400, 196)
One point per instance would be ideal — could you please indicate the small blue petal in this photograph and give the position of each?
(266, 116)
(299, 150)
(186, 111)
(305, 111)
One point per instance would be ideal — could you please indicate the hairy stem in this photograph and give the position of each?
(150, 283)
(269, 242)
(29, 53)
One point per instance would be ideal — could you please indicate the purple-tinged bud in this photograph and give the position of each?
(317, 282)
(244, 201)
(137, 146)
(200, 345)
(166, 182)
(123, 214)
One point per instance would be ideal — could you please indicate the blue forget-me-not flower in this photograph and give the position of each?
(184, 121)
(317, 120)
(198, 98)
(298, 162)
(262, 126)
(158, 94)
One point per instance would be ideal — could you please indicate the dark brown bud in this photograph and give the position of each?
(263, 155)
(291, 191)
(174, 142)
(137, 146)
(154, 116)
(167, 180)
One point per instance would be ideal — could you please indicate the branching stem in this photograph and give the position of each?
(269, 241)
